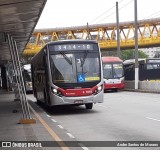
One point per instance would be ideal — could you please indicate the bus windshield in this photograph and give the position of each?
(152, 66)
(107, 71)
(75, 67)
(113, 71)
(118, 70)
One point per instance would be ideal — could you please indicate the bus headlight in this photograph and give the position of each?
(122, 79)
(54, 91)
(98, 89)
(57, 92)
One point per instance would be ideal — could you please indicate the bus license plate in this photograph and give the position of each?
(78, 101)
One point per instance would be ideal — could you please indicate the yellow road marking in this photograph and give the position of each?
(50, 131)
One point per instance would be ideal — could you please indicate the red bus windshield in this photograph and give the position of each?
(75, 67)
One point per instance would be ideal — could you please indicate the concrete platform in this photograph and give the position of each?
(44, 131)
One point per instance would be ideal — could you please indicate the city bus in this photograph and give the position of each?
(68, 73)
(113, 73)
(149, 69)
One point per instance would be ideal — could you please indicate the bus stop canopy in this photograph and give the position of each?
(18, 18)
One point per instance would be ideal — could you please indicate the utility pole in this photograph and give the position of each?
(88, 31)
(118, 39)
(136, 46)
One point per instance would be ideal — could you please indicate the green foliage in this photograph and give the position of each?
(142, 54)
(129, 54)
(125, 54)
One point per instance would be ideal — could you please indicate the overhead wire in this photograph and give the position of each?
(103, 13)
(106, 17)
(115, 11)
(126, 4)
(154, 14)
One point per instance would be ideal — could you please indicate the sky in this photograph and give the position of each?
(69, 13)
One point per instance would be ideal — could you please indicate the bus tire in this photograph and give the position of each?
(38, 102)
(45, 97)
(115, 90)
(89, 105)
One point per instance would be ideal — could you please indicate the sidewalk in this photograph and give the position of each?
(11, 130)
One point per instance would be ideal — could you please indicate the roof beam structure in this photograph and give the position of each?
(18, 19)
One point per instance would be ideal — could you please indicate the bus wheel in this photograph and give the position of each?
(38, 102)
(115, 90)
(89, 105)
(45, 97)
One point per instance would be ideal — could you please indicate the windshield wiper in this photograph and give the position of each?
(84, 58)
(66, 58)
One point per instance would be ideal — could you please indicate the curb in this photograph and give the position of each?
(142, 91)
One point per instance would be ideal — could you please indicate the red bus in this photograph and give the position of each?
(63, 73)
(113, 73)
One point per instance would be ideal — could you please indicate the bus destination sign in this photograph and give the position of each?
(65, 47)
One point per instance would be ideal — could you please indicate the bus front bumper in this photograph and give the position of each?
(114, 86)
(56, 100)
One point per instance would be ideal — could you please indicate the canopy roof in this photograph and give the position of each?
(18, 18)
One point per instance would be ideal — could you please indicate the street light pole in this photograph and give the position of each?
(118, 40)
(136, 46)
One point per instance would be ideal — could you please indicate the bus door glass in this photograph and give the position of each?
(88, 67)
(62, 68)
(107, 71)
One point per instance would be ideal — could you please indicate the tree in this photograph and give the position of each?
(142, 54)
(125, 54)
(129, 54)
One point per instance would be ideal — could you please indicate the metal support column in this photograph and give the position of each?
(136, 46)
(89, 37)
(20, 83)
(118, 39)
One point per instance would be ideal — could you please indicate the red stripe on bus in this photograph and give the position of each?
(77, 92)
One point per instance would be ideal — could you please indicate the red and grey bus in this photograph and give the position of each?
(68, 73)
(113, 73)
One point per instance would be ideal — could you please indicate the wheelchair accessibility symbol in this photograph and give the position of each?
(81, 77)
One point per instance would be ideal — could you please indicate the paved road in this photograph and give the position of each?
(124, 116)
